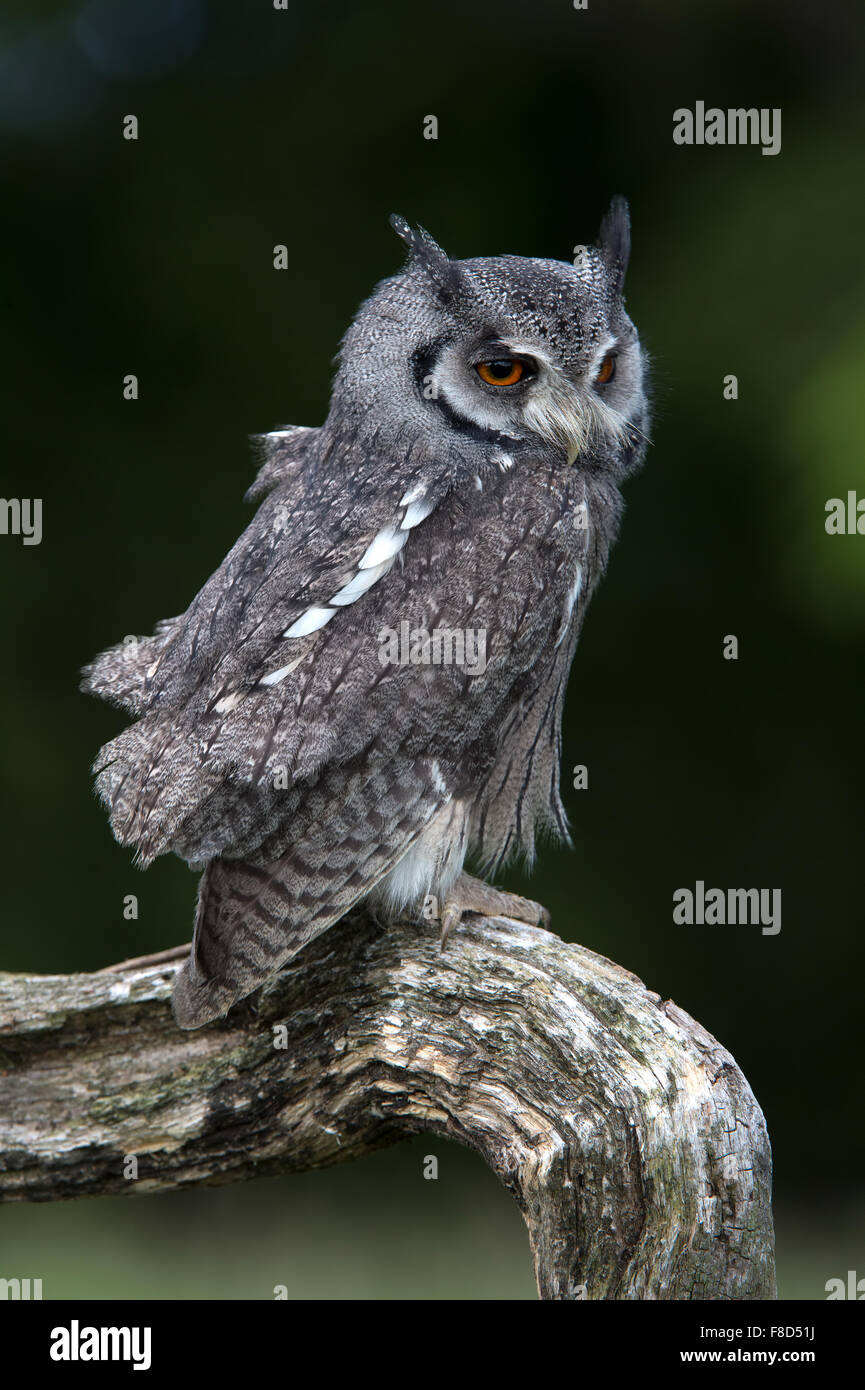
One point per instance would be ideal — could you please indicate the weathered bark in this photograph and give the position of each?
(629, 1138)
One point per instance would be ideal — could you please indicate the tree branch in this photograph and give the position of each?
(629, 1138)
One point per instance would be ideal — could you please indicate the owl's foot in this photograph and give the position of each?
(471, 894)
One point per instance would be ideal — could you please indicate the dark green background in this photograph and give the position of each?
(260, 127)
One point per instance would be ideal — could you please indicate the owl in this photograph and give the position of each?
(367, 694)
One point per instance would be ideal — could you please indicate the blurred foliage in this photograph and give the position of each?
(305, 127)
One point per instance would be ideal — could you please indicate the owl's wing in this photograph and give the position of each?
(294, 733)
(281, 677)
(250, 678)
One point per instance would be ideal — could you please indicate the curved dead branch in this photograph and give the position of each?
(629, 1138)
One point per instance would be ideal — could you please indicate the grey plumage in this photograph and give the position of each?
(273, 748)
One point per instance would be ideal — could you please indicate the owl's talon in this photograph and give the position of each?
(451, 917)
(471, 894)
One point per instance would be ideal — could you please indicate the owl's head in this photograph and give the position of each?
(504, 347)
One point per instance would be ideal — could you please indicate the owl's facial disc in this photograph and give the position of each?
(513, 385)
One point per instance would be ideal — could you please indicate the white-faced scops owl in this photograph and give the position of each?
(369, 690)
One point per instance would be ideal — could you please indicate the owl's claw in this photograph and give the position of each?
(451, 917)
(471, 894)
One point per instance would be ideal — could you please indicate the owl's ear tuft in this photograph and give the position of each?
(614, 240)
(402, 229)
(427, 253)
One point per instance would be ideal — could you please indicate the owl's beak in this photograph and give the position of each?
(559, 415)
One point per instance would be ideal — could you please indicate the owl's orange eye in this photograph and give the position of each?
(505, 371)
(607, 370)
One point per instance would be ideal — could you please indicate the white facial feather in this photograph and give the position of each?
(569, 415)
